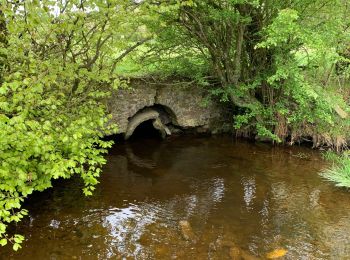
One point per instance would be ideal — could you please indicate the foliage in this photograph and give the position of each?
(57, 63)
(339, 172)
(283, 64)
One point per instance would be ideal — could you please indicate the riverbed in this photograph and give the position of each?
(193, 198)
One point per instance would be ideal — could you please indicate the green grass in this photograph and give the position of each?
(339, 172)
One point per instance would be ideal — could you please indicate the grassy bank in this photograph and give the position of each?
(339, 171)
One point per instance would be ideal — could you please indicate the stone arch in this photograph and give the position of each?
(160, 116)
(166, 113)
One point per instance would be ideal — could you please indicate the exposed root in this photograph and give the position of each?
(245, 133)
(335, 142)
(281, 128)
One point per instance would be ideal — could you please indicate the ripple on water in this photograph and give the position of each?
(236, 198)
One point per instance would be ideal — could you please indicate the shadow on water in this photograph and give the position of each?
(192, 198)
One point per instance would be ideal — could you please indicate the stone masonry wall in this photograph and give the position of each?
(186, 103)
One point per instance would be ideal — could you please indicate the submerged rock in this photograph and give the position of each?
(277, 253)
(237, 253)
(186, 231)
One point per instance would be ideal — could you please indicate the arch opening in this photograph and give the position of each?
(166, 113)
(151, 122)
(145, 130)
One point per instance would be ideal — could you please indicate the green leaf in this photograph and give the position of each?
(3, 242)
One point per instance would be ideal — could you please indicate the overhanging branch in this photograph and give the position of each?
(127, 51)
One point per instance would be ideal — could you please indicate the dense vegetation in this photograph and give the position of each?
(57, 62)
(282, 65)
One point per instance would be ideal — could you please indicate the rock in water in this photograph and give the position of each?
(187, 231)
(235, 253)
(277, 253)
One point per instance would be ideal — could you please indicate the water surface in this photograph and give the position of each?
(231, 194)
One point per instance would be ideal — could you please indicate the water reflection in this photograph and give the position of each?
(249, 191)
(235, 196)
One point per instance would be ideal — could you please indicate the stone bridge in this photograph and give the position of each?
(170, 108)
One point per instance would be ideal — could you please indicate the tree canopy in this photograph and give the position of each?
(284, 65)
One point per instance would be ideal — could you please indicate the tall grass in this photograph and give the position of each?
(339, 172)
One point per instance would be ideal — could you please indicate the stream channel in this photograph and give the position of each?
(193, 198)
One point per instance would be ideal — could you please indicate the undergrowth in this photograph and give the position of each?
(339, 171)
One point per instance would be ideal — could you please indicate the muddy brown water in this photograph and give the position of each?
(193, 198)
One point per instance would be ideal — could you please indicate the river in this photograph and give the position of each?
(193, 198)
